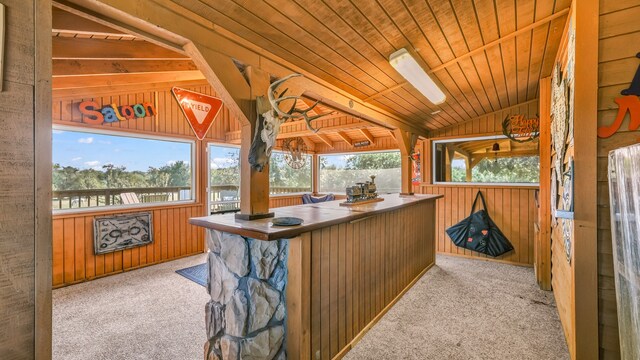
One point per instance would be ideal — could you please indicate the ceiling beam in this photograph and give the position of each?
(345, 137)
(165, 23)
(96, 67)
(311, 146)
(81, 48)
(71, 82)
(66, 22)
(368, 135)
(473, 52)
(326, 140)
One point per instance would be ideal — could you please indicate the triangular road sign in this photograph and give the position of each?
(199, 109)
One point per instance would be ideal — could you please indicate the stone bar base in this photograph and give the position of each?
(245, 318)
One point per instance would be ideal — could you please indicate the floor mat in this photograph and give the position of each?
(198, 274)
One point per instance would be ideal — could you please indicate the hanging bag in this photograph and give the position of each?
(479, 233)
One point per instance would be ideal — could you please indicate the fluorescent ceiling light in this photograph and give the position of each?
(408, 67)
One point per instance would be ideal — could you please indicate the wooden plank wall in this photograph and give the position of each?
(73, 258)
(25, 305)
(618, 64)
(359, 268)
(512, 208)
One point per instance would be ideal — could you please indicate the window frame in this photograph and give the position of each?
(354, 153)
(435, 142)
(115, 208)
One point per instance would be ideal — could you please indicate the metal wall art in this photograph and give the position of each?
(520, 129)
(118, 232)
(294, 152)
(566, 211)
(629, 102)
(559, 118)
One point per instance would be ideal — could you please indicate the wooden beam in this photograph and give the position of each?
(406, 143)
(542, 256)
(368, 135)
(83, 82)
(311, 146)
(326, 140)
(66, 22)
(81, 48)
(345, 137)
(97, 67)
(476, 51)
(167, 24)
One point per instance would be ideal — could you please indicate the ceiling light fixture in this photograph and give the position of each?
(409, 68)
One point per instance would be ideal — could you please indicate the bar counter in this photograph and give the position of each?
(311, 291)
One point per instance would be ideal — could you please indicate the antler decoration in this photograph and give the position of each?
(294, 112)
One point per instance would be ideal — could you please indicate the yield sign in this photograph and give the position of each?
(200, 109)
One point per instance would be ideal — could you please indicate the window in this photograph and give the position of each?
(224, 178)
(283, 179)
(100, 169)
(339, 171)
(495, 159)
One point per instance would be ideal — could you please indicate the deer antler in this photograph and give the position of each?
(293, 113)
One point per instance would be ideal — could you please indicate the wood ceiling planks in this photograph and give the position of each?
(347, 43)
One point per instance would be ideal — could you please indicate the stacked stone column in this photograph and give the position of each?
(245, 318)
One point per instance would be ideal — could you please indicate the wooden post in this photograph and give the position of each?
(406, 143)
(254, 185)
(315, 171)
(542, 245)
(467, 164)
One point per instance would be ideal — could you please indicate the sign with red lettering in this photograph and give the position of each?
(628, 102)
(199, 109)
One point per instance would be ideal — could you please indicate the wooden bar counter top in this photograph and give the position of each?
(312, 291)
(315, 216)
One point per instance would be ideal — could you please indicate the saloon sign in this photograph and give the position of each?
(628, 102)
(520, 129)
(93, 114)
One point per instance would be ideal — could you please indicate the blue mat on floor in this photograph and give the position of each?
(198, 274)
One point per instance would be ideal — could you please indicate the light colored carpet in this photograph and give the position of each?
(149, 313)
(460, 309)
(468, 309)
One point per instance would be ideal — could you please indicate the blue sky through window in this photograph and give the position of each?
(90, 150)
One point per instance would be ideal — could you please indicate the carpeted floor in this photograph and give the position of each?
(468, 309)
(460, 309)
(149, 313)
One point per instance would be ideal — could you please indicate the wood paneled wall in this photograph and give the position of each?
(25, 138)
(512, 208)
(358, 269)
(618, 64)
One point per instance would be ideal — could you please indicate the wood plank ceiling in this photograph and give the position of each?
(486, 55)
(90, 57)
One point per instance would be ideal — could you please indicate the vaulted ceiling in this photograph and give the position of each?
(485, 54)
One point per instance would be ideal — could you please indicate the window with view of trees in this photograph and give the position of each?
(486, 160)
(283, 179)
(339, 171)
(95, 169)
(225, 177)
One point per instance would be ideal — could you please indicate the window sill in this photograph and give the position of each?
(58, 213)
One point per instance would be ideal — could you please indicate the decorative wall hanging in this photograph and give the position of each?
(417, 176)
(93, 114)
(118, 232)
(520, 129)
(200, 110)
(294, 152)
(567, 230)
(629, 102)
(270, 117)
(559, 118)
(554, 193)
(566, 211)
